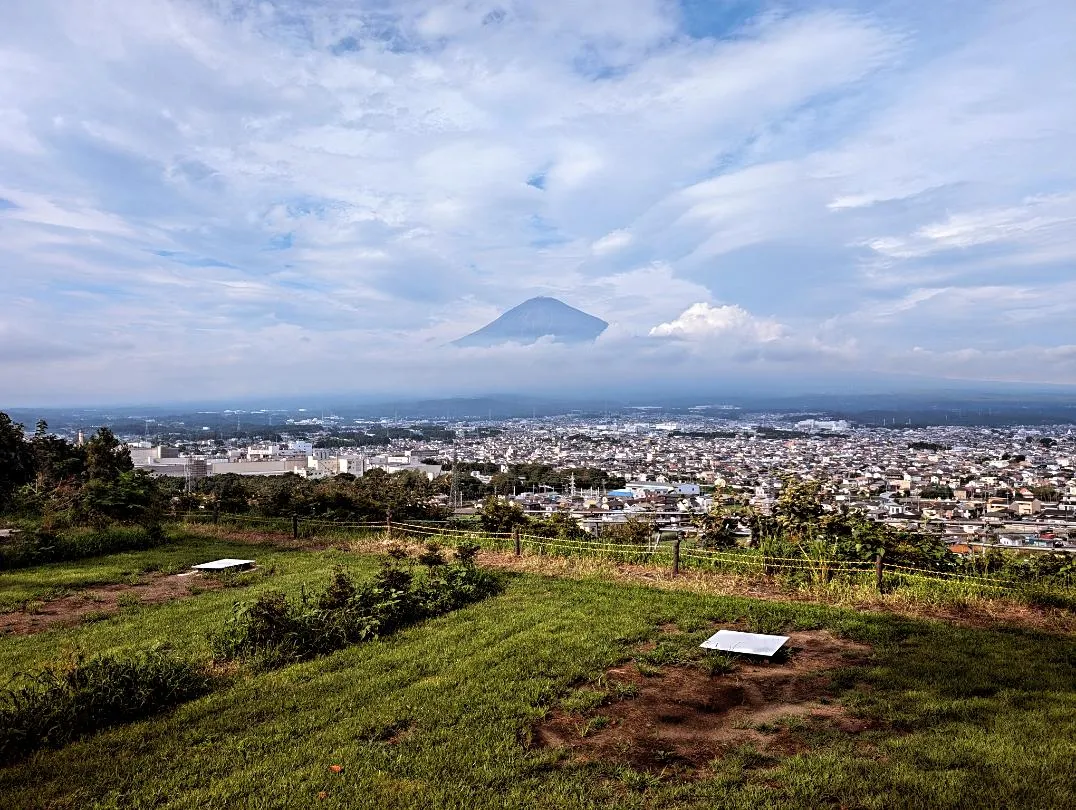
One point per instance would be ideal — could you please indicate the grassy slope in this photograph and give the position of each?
(62, 578)
(982, 718)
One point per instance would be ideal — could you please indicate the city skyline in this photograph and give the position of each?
(213, 200)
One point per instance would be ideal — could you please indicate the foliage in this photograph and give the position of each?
(633, 532)
(500, 517)
(936, 491)
(273, 630)
(560, 525)
(60, 484)
(407, 495)
(16, 459)
(37, 546)
(59, 704)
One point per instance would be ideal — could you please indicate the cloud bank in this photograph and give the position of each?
(215, 198)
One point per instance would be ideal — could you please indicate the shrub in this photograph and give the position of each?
(60, 704)
(275, 631)
(431, 555)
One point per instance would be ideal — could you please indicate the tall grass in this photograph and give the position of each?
(59, 704)
(37, 546)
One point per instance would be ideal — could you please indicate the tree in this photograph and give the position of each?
(719, 527)
(16, 459)
(499, 517)
(131, 497)
(799, 507)
(55, 458)
(106, 457)
(633, 532)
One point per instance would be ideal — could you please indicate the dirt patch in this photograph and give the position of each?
(683, 719)
(104, 600)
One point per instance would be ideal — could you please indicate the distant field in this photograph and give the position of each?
(523, 701)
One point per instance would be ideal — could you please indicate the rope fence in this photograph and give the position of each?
(674, 553)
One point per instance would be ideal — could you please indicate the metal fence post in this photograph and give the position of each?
(676, 554)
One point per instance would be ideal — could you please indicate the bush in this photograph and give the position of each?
(35, 547)
(61, 704)
(274, 631)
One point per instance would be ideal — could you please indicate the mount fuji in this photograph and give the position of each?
(534, 319)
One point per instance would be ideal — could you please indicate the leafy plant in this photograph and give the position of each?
(274, 631)
(60, 704)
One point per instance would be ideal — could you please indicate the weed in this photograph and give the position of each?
(40, 546)
(584, 700)
(792, 722)
(625, 691)
(594, 724)
(648, 670)
(273, 631)
(95, 616)
(60, 704)
(637, 780)
(127, 601)
(432, 556)
(717, 664)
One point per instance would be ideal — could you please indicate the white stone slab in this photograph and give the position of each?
(224, 565)
(749, 643)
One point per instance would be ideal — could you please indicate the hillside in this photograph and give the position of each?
(557, 693)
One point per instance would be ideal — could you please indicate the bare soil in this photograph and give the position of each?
(71, 610)
(684, 719)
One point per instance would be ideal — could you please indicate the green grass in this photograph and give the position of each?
(436, 716)
(58, 579)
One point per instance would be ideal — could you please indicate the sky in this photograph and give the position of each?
(202, 199)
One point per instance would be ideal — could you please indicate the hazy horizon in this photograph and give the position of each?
(228, 200)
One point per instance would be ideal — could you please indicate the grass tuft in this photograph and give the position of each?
(59, 704)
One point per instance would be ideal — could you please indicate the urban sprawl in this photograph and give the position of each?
(975, 486)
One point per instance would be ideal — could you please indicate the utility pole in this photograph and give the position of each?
(454, 492)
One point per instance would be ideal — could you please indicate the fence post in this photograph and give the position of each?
(216, 513)
(878, 571)
(388, 521)
(294, 526)
(676, 554)
(517, 542)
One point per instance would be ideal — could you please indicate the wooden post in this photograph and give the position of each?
(294, 526)
(676, 554)
(878, 571)
(216, 513)
(388, 521)
(517, 542)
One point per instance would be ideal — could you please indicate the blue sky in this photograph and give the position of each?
(215, 198)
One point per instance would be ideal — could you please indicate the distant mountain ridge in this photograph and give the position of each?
(535, 319)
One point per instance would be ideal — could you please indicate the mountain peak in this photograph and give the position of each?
(534, 319)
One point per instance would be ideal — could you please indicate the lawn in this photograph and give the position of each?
(54, 580)
(440, 715)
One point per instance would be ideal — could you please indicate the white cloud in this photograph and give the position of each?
(704, 321)
(611, 242)
(370, 179)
